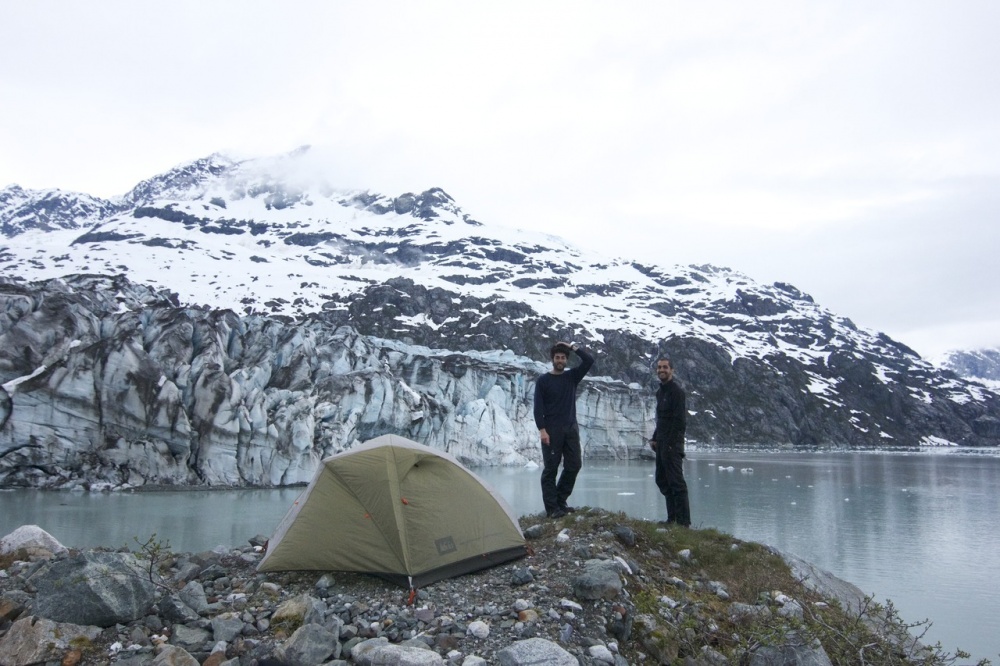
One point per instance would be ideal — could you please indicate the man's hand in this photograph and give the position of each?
(543, 433)
(652, 444)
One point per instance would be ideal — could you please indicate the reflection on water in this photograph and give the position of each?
(916, 529)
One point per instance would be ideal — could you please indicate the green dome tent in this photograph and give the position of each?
(396, 509)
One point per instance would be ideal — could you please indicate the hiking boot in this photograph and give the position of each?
(567, 509)
(558, 513)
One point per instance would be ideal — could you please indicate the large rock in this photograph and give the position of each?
(380, 652)
(310, 644)
(600, 579)
(172, 655)
(796, 651)
(93, 588)
(37, 640)
(534, 651)
(33, 540)
(824, 583)
(298, 611)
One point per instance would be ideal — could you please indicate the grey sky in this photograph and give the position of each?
(851, 148)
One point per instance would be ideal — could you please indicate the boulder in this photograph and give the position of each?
(95, 588)
(310, 644)
(794, 652)
(534, 651)
(226, 626)
(171, 655)
(600, 580)
(32, 539)
(36, 640)
(298, 611)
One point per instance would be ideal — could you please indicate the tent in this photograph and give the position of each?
(396, 509)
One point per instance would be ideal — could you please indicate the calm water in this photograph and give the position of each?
(918, 529)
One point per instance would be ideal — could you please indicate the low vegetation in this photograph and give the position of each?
(751, 574)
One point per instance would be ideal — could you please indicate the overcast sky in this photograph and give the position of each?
(849, 148)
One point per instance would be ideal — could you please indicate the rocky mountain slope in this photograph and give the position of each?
(232, 322)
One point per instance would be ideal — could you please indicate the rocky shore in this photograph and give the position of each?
(596, 589)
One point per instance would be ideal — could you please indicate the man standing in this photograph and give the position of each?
(668, 443)
(555, 417)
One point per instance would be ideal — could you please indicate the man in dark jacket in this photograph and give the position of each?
(668, 443)
(555, 417)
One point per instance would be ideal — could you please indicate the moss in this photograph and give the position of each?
(7, 559)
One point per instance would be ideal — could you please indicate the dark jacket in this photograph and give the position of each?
(671, 417)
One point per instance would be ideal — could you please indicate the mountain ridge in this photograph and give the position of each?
(267, 245)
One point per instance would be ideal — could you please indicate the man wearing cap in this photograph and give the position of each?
(555, 417)
(668, 443)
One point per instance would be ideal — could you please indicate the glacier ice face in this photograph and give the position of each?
(166, 395)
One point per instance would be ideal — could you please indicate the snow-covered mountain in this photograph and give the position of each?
(415, 277)
(981, 365)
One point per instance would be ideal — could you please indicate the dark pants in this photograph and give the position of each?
(563, 447)
(670, 480)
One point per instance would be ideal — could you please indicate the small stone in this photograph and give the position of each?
(601, 653)
(479, 629)
(534, 532)
(529, 615)
(521, 576)
(625, 534)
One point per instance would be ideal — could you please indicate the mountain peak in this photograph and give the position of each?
(48, 210)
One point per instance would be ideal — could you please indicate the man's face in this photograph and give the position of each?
(559, 360)
(664, 371)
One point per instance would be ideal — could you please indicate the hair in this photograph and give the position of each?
(664, 357)
(559, 348)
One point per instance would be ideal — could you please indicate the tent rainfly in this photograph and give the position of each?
(399, 510)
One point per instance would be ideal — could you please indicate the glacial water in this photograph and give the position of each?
(918, 528)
